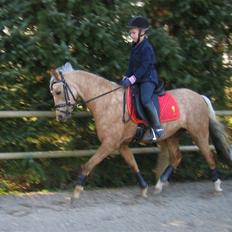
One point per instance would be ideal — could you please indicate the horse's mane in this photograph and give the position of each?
(67, 67)
(99, 80)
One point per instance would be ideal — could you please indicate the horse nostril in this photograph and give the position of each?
(60, 117)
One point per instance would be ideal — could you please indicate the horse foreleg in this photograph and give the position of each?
(130, 160)
(103, 151)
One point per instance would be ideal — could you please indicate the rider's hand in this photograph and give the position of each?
(125, 82)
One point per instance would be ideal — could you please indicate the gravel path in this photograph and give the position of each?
(181, 207)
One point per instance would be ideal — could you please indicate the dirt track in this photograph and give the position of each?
(181, 207)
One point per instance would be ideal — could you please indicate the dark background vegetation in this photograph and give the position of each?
(193, 41)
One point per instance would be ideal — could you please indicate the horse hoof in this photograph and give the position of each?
(144, 192)
(76, 193)
(159, 187)
(217, 185)
(157, 191)
(165, 184)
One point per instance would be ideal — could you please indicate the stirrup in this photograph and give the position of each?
(159, 132)
(153, 134)
(150, 137)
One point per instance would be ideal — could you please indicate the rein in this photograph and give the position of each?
(101, 95)
(67, 90)
(124, 102)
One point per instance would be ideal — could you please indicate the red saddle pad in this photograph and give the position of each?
(169, 109)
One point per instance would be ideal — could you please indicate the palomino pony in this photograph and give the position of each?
(105, 101)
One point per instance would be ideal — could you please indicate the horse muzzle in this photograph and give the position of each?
(63, 117)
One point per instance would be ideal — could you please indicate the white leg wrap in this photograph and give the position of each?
(77, 191)
(217, 185)
(159, 186)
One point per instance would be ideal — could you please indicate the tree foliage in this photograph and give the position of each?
(192, 40)
(200, 41)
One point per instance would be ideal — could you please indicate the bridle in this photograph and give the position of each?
(68, 90)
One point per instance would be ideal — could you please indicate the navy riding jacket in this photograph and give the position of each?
(142, 63)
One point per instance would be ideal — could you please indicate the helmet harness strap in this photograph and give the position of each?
(140, 35)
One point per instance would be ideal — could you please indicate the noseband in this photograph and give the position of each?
(67, 90)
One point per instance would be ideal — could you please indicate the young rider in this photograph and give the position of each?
(142, 71)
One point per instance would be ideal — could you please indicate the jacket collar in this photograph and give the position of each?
(136, 46)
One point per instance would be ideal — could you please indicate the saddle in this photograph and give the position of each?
(168, 108)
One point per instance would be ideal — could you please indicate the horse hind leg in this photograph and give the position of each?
(202, 141)
(170, 147)
(163, 161)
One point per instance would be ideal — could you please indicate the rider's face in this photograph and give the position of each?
(134, 34)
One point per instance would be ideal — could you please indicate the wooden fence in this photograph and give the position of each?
(77, 153)
(51, 114)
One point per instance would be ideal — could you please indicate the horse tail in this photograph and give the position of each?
(219, 136)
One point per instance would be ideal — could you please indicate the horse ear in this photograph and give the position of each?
(56, 74)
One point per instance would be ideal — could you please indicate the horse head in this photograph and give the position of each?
(64, 95)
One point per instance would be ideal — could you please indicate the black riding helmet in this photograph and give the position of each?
(139, 22)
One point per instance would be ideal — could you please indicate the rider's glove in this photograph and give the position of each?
(126, 82)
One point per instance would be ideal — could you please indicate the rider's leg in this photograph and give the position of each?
(156, 102)
(154, 122)
(147, 93)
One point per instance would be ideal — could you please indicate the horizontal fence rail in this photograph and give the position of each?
(51, 114)
(83, 153)
(77, 153)
(39, 114)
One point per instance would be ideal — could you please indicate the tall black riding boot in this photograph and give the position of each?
(156, 130)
